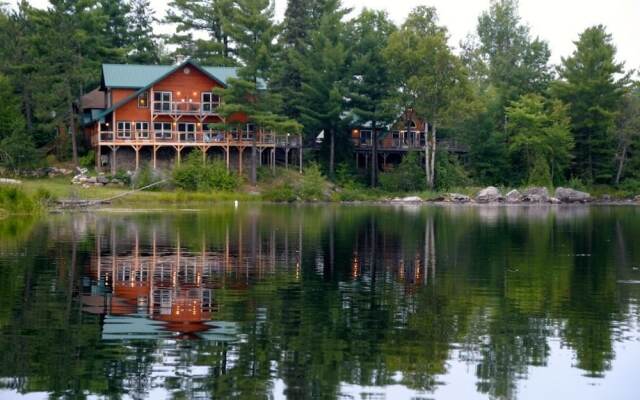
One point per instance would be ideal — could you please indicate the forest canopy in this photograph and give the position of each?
(520, 118)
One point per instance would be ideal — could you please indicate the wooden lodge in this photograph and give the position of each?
(157, 114)
(395, 141)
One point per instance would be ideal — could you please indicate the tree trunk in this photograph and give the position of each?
(72, 132)
(332, 153)
(621, 162)
(427, 164)
(374, 155)
(430, 154)
(433, 155)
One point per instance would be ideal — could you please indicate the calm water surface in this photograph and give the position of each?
(352, 302)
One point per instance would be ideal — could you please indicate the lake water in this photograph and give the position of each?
(353, 302)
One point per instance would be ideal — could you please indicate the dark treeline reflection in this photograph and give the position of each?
(231, 302)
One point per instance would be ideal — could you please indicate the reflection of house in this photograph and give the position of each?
(394, 141)
(165, 288)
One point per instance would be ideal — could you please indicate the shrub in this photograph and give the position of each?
(88, 160)
(14, 200)
(406, 177)
(577, 183)
(449, 172)
(145, 176)
(280, 193)
(312, 185)
(194, 175)
(540, 175)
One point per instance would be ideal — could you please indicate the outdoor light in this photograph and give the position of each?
(178, 93)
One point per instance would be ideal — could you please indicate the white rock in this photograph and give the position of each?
(513, 196)
(489, 195)
(567, 195)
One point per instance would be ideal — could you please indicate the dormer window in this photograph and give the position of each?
(143, 100)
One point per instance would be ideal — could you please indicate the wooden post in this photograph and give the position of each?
(137, 150)
(98, 156)
(226, 153)
(300, 151)
(155, 149)
(204, 154)
(273, 159)
(114, 150)
(286, 158)
(240, 151)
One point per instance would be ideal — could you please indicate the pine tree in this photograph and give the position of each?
(324, 72)
(209, 17)
(589, 85)
(370, 83)
(117, 32)
(143, 46)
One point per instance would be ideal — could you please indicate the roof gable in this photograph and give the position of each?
(134, 76)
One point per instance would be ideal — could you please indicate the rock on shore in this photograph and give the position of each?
(489, 194)
(513, 196)
(567, 195)
(535, 195)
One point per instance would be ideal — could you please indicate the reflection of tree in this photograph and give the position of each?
(322, 296)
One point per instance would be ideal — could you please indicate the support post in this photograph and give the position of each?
(114, 150)
(286, 158)
(137, 149)
(300, 151)
(240, 151)
(155, 149)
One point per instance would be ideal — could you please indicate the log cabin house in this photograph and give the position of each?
(395, 141)
(157, 114)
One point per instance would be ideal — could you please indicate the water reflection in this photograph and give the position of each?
(321, 302)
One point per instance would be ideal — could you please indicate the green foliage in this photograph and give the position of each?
(539, 133)
(282, 193)
(593, 90)
(17, 152)
(194, 175)
(14, 200)
(407, 177)
(539, 173)
(145, 176)
(313, 184)
(88, 160)
(451, 172)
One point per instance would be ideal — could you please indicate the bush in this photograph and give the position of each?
(409, 176)
(17, 151)
(193, 175)
(14, 200)
(577, 183)
(449, 172)
(540, 175)
(280, 193)
(312, 185)
(145, 176)
(88, 160)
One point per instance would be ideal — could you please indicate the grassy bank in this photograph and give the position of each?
(15, 200)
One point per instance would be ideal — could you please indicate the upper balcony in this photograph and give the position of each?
(176, 108)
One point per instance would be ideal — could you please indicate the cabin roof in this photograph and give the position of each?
(135, 76)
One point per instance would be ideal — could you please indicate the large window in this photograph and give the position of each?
(162, 101)
(124, 129)
(143, 100)
(142, 130)
(162, 130)
(365, 137)
(248, 133)
(210, 102)
(187, 131)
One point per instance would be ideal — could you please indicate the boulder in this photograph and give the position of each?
(567, 195)
(554, 200)
(102, 179)
(637, 199)
(513, 196)
(489, 195)
(411, 199)
(535, 195)
(458, 198)
(8, 181)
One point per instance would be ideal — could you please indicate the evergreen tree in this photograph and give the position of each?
(144, 48)
(252, 29)
(324, 73)
(117, 32)
(70, 43)
(370, 83)
(590, 86)
(209, 17)
(628, 135)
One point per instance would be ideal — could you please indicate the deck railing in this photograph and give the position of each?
(184, 108)
(212, 138)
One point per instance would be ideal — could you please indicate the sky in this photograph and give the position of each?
(557, 21)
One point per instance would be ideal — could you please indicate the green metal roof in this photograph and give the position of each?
(135, 76)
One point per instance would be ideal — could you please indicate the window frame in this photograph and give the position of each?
(144, 96)
(123, 133)
(163, 101)
(184, 134)
(163, 133)
(144, 131)
(210, 105)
